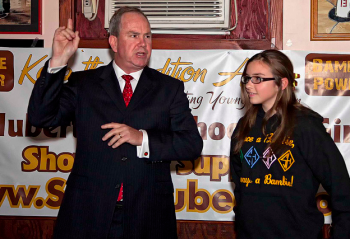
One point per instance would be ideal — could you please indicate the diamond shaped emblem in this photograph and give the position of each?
(251, 156)
(269, 160)
(286, 160)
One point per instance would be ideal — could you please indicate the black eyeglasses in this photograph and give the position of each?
(254, 79)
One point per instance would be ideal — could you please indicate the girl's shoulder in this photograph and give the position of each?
(307, 119)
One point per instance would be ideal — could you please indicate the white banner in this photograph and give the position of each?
(35, 163)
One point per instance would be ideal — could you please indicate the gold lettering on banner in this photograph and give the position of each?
(27, 68)
(2, 80)
(230, 75)
(320, 65)
(340, 84)
(89, 65)
(186, 74)
(3, 63)
(39, 158)
(6, 71)
(215, 166)
(327, 74)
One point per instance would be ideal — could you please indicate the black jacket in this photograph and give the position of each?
(276, 196)
(93, 98)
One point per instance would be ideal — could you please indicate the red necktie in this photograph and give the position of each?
(127, 92)
(120, 195)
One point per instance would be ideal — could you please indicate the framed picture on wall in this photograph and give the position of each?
(330, 20)
(20, 16)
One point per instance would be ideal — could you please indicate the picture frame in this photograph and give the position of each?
(330, 20)
(20, 17)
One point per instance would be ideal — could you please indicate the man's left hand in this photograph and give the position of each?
(121, 133)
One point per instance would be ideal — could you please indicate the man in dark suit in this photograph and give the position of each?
(131, 122)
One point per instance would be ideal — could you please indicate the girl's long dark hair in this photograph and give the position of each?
(285, 105)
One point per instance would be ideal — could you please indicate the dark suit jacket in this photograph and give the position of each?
(93, 98)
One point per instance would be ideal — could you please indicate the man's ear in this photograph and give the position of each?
(113, 42)
(284, 83)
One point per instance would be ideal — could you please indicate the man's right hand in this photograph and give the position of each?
(65, 44)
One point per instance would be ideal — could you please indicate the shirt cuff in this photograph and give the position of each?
(143, 150)
(53, 70)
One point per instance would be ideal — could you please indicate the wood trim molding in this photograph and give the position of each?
(186, 44)
(15, 227)
(68, 10)
(276, 24)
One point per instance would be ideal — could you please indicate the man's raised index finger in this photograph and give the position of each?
(70, 24)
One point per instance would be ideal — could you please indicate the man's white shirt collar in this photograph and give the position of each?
(119, 73)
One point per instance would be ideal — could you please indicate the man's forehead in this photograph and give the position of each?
(137, 32)
(134, 24)
(135, 16)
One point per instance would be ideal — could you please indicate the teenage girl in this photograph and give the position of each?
(280, 154)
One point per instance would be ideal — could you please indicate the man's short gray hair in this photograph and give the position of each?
(114, 23)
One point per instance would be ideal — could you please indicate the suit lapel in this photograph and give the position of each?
(143, 89)
(110, 84)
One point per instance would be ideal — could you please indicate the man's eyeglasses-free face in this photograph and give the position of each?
(254, 79)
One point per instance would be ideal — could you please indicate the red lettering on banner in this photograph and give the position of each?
(216, 131)
(344, 3)
(337, 129)
(21, 196)
(199, 200)
(25, 196)
(55, 190)
(222, 201)
(221, 99)
(16, 129)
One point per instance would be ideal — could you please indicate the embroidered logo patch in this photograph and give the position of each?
(286, 160)
(251, 156)
(269, 160)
